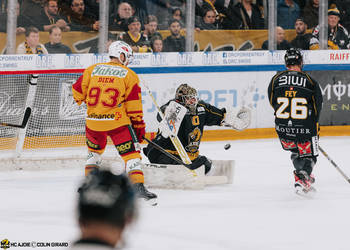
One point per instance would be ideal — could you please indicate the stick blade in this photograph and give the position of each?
(27, 114)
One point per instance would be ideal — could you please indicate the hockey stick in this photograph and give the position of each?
(173, 137)
(24, 122)
(169, 155)
(334, 164)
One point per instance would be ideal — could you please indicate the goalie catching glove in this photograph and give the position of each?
(238, 119)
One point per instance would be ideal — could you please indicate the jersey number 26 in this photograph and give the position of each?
(298, 108)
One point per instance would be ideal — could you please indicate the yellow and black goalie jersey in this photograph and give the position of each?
(297, 101)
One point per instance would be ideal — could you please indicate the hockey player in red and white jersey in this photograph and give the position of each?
(112, 95)
(297, 101)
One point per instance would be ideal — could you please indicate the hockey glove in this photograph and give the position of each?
(238, 120)
(139, 128)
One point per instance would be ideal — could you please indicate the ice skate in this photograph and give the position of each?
(303, 182)
(143, 193)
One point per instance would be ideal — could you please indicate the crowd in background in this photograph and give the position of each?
(138, 22)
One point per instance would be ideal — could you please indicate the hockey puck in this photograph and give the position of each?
(227, 146)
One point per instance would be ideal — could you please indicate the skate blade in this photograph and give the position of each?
(299, 190)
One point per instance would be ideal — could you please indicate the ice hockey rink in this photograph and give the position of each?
(259, 211)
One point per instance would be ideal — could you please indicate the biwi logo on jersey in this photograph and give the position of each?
(292, 80)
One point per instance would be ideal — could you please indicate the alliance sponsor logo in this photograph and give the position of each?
(94, 116)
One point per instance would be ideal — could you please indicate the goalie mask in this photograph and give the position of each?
(119, 47)
(187, 96)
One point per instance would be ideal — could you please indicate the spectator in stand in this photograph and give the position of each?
(157, 44)
(32, 8)
(151, 25)
(301, 3)
(31, 45)
(22, 21)
(302, 40)
(175, 13)
(54, 46)
(92, 8)
(344, 8)
(287, 13)
(243, 15)
(282, 44)
(134, 37)
(78, 21)
(141, 11)
(310, 13)
(208, 22)
(49, 17)
(338, 36)
(175, 42)
(203, 5)
(118, 21)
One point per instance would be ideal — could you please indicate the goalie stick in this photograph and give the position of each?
(169, 155)
(173, 137)
(24, 122)
(334, 164)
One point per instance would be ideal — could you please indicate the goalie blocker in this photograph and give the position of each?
(185, 116)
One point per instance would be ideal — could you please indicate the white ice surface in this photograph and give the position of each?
(259, 211)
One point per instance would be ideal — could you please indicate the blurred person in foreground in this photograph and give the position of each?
(31, 45)
(106, 207)
(55, 46)
(112, 95)
(297, 102)
(338, 36)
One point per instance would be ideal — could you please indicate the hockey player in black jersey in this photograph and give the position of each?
(297, 101)
(190, 124)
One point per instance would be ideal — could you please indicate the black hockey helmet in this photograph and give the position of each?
(106, 197)
(187, 96)
(293, 57)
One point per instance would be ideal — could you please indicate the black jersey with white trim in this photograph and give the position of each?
(297, 100)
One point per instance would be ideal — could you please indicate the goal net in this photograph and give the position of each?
(56, 127)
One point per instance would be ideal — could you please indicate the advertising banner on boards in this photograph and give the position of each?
(335, 87)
